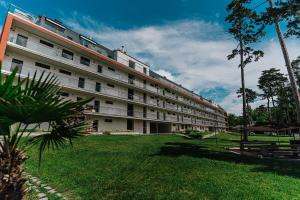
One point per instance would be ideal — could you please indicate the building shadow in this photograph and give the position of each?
(281, 167)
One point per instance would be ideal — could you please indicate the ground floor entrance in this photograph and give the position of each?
(156, 127)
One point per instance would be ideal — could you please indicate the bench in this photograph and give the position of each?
(271, 149)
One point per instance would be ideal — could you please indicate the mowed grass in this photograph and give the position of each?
(164, 167)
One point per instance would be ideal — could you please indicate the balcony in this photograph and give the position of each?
(55, 54)
(151, 115)
(170, 106)
(151, 88)
(112, 111)
(169, 95)
(171, 118)
(185, 110)
(152, 101)
(187, 120)
(72, 82)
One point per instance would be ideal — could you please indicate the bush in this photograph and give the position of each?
(194, 134)
(106, 133)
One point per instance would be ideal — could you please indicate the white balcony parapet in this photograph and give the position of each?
(55, 53)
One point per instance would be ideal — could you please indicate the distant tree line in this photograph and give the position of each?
(279, 109)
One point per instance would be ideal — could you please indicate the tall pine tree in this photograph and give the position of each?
(246, 30)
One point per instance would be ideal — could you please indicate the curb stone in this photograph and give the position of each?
(34, 183)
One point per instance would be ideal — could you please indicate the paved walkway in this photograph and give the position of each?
(210, 135)
(43, 190)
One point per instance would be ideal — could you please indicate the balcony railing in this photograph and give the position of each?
(56, 54)
(72, 82)
(171, 118)
(171, 106)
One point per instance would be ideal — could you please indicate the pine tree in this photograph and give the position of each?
(246, 29)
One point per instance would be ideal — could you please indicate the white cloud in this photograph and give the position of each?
(192, 53)
(165, 73)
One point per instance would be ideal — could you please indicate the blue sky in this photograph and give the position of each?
(125, 14)
(184, 40)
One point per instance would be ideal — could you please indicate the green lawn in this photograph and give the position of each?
(164, 167)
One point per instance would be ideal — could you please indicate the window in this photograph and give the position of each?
(57, 25)
(22, 40)
(95, 125)
(99, 69)
(46, 43)
(41, 65)
(97, 106)
(67, 54)
(64, 94)
(81, 82)
(16, 64)
(130, 94)
(85, 61)
(65, 72)
(131, 78)
(98, 87)
(109, 102)
(145, 70)
(108, 120)
(131, 64)
(110, 85)
(111, 69)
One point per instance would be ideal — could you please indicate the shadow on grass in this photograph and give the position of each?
(281, 167)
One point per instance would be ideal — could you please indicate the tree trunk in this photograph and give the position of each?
(245, 131)
(268, 107)
(273, 102)
(288, 65)
(12, 182)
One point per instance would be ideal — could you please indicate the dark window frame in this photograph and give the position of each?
(111, 69)
(98, 87)
(42, 65)
(81, 82)
(85, 61)
(15, 63)
(99, 68)
(22, 40)
(110, 85)
(64, 94)
(46, 43)
(131, 64)
(67, 54)
(109, 102)
(65, 72)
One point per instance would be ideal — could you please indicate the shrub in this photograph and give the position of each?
(106, 133)
(194, 134)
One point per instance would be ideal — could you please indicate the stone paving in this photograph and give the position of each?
(38, 187)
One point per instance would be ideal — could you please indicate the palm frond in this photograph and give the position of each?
(61, 133)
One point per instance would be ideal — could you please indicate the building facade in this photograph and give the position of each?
(128, 96)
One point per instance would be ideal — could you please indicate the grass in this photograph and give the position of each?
(164, 167)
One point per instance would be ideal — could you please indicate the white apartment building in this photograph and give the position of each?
(128, 96)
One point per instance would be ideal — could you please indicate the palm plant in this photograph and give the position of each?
(29, 102)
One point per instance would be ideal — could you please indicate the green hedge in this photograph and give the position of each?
(197, 134)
